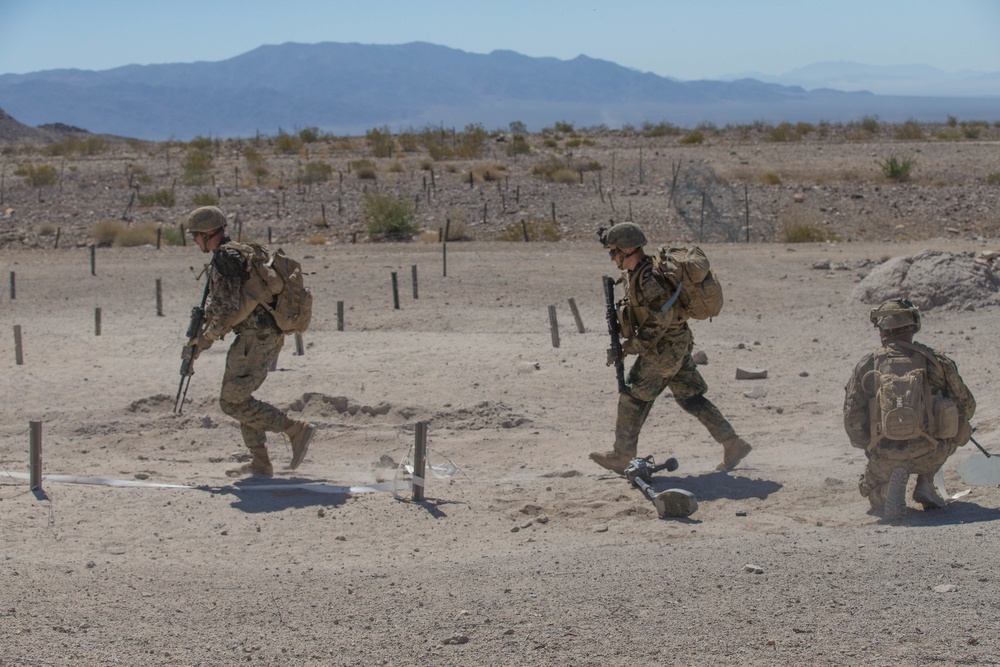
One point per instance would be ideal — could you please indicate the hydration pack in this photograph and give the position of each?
(688, 270)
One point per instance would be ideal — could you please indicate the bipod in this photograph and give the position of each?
(669, 503)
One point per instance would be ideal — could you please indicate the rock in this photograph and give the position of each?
(601, 528)
(751, 373)
(753, 569)
(700, 358)
(945, 588)
(823, 265)
(756, 392)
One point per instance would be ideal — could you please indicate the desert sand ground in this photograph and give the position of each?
(529, 554)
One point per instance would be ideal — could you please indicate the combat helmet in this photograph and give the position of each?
(624, 235)
(206, 219)
(898, 313)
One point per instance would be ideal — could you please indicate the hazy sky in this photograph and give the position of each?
(687, 39)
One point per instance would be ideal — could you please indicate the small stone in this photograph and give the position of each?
(457, 639)
(751, 373)
(542, 519)
(945, 588)
(753, 569)
(700, 358)
(804, 374)
(141, 475)
(601, 528)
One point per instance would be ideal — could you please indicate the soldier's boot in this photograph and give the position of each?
(259, 465)
(895, 495)
(611, 460)
(632, 415)
(299, 433)
(925, 493)
(734, 450)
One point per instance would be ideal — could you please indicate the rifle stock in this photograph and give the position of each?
(617, 357)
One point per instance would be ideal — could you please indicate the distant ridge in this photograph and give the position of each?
(350, 88)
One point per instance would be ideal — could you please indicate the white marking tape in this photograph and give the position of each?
(315, 487)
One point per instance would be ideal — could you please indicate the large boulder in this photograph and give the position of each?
(932, 279)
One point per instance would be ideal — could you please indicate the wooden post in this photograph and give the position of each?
(395, 292)
(554, 326)
(444, 247)
(58, 234)
(239, 227)
(524, 230)
(300, 348)
(184, 240)
(322, 210)
(553, 212)
(413, 270)
(159, 235)
(93, 259)
(701, 228)
(746, 198)
(340, 316)
(419, 459)
(485, 204)
(268, 236)
(13, 289)
(35, 455)
(18, 350)
(97, 321)
(576, 315)
(159, 298)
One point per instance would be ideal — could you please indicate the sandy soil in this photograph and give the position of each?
(530, 554)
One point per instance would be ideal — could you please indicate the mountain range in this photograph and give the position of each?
(346, 88)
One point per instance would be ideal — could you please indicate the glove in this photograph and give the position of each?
(198, 344)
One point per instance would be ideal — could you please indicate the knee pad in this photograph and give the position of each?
(693, 404)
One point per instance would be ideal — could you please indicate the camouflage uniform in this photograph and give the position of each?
(920, 456)
(663, 343)
(258, 341)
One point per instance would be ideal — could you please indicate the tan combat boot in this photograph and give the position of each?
(925, 493)
(299, 433)
(895, 495)
(734, 450)
(611, 460)
(259, 466)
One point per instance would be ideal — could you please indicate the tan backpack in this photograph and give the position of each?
(276, 283)
(688, 270)
(902, 405)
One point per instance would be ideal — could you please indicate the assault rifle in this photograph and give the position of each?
(188, 353)
(615, 354)
(672, 502)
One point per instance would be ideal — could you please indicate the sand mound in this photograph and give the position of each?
(931, 279)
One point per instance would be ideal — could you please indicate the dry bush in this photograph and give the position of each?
(770, 178)
(316, 239)
(488, 172)
(130, 237)
(395, 167)
(535, 229)
(106, 231)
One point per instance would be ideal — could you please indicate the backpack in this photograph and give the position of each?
(280, 287)
(902, 405)
(292, 308)
(688, 270)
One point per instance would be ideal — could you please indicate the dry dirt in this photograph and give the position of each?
(529, 554)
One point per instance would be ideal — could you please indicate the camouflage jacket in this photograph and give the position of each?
(643, 322)
(231, 291)
(944, 379)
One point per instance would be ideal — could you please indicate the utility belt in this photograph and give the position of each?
(259, 318)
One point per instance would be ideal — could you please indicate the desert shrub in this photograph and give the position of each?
(784, 132)
(316, 172)
(381, 142)
(804, 233)
(196, 165)
(488, 172)
(802, 129)
(952, 121)
(563, 126)
(693, 137)
(201, 143)
(255, 163)
(910, 130)
(408, 142)
(661, 129)
(565, 175)
(518, 146)
(204, 199)
(770, 178)
(870, 124)
(38, 176)
(426, 164)
(172, 236)
(309, 135)
(364, 169)
(537, 230)
(395, 167)
(106, 231)
(949, 135)
(574, 143)
(130, 237)
(550, 143)
(517, 127)
(388, 217)
(994, 178)
(46, 229)
(316, 239)
(971, 130)
(287, 143)
(897, 168)
(164, 197)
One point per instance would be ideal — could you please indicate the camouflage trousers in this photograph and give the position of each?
(250, 356)
(648, 378)
(917, 457)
